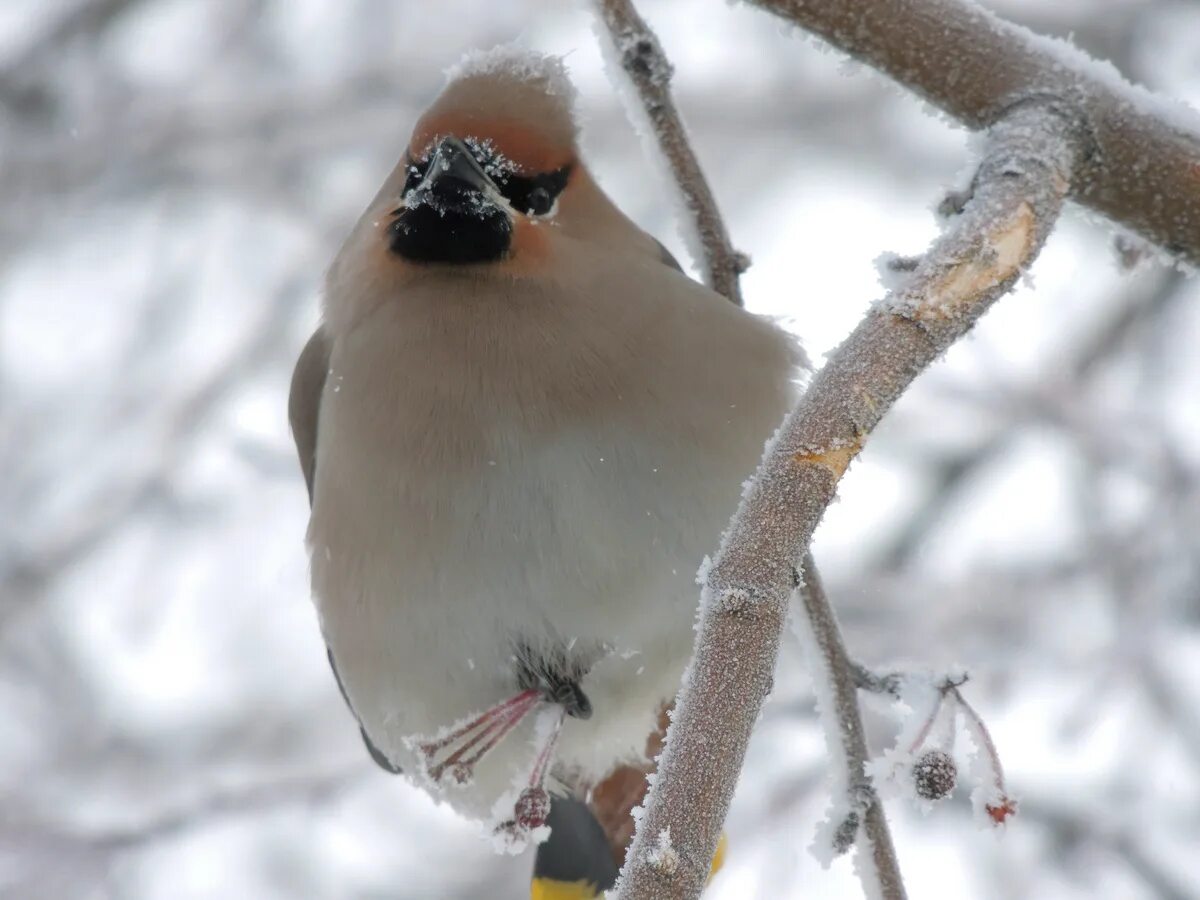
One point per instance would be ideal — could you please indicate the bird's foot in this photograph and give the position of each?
(454, 755)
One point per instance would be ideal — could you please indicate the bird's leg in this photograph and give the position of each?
(563, 698)
(557, 682)
(533, 803)
(550, 682)
(471, 741)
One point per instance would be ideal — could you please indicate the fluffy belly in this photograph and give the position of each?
(427, 587)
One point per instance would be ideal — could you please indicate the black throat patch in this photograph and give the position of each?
(463, 230)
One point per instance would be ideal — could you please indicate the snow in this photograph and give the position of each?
(1180, 115)
(894, 270)
(520, 64)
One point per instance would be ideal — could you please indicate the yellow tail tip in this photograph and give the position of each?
(552, 889)
(718, 857)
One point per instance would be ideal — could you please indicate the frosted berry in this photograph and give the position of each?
(934, 775)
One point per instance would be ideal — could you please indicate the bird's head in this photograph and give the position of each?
(488, 164)
(490, 186)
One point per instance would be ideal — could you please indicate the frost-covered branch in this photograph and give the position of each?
(642, 58)
(645, 63)
(1026, 172)
(1143, 153)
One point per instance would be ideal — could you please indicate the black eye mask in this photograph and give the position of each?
(533, 195)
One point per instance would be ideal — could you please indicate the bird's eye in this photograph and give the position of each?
(535, 195)
(540, 202)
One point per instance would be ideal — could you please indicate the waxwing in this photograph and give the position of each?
(522, 428)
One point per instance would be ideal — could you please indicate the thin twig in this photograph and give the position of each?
(831, 664)
(648, 68)
(1018, 192)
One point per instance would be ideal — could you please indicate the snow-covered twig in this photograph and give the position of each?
(1027, 169)
(921, 763)
(990, 798)
(642, 58)
(975, 65)
(857, 812)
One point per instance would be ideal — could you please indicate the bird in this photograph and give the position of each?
(521, 426)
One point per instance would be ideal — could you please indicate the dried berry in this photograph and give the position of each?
(1001, 811)
(934, 775)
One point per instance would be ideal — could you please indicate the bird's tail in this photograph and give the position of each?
(576, 863)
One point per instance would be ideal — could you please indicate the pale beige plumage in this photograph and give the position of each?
(538, 449)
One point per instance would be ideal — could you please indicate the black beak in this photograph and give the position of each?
(454, 172)
(452, 216)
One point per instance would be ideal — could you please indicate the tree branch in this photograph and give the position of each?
(1142, 161)
(645, 63)
(643, 60)
(859, 804)
(1018, 192)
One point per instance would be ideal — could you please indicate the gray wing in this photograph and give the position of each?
(304, 401)
(304, 412)
(666, 257)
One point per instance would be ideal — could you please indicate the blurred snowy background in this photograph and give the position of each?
(174, 177)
